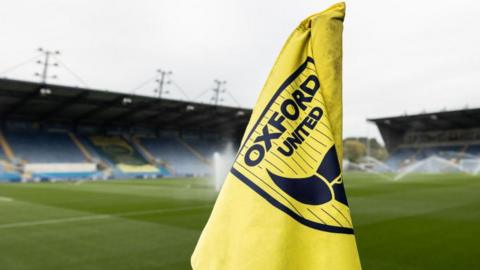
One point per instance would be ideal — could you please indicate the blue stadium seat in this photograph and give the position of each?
(206, 147)
(398, 157)
(44, 147)
(170, 150)
(447, 152)
(123, 158)
(58, 147)
(473, 149)
(2, 154)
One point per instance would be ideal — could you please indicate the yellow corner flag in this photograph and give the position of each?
(283, 205)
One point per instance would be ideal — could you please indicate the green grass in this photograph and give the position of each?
(419, 222)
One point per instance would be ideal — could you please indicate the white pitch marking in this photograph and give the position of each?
(96, 217)
(5, 199)
(80, 182)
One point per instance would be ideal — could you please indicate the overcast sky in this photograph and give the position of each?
(399, 56)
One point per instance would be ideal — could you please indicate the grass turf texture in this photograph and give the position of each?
(419, 222)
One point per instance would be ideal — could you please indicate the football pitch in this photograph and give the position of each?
(419, 222)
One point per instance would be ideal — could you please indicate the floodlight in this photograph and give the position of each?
(127, 101)
(45, 91)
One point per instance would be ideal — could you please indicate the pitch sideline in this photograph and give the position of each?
(5, 199)
(97, 217)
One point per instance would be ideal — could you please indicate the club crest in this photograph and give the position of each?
(289, 157)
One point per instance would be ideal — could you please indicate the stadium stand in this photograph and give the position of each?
(77, 133)
(7, 170)
(172, 151)
(445, 151)
(44, 147)
(205, 147)
(3, 157)
(47, 155)
(452, 136)
(401, 155)
(473, 149)
(123, 157)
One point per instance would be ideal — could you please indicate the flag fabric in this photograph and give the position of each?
(283, 204)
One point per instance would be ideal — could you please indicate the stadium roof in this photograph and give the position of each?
(393, 129)
(32, 101)
(458, 119)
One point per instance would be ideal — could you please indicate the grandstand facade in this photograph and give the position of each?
(441, 137)
(51, 132)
